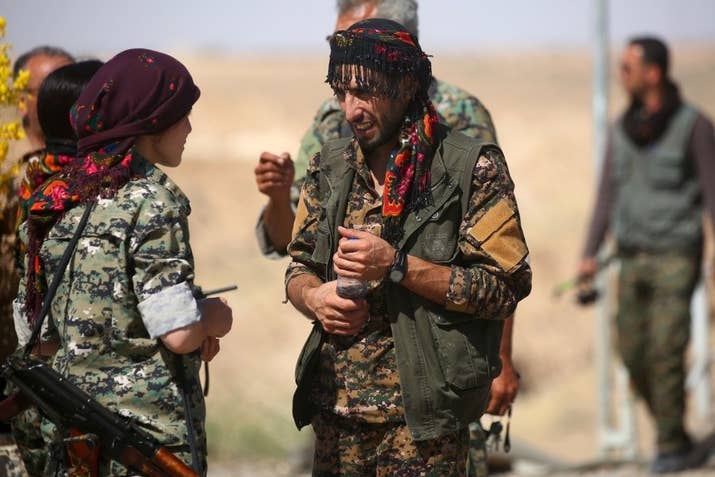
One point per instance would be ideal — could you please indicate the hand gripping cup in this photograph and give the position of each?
(355, 288)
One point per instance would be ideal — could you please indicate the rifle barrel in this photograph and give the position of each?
(216, 291)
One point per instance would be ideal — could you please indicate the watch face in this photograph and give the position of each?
(396, 275)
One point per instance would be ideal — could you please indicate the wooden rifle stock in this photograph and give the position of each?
(92, 424)
(163, 464)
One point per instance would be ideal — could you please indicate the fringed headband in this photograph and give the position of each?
(378, 54)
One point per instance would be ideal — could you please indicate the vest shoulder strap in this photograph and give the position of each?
(332, 163)
(461, 153)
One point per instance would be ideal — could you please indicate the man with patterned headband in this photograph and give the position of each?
(427, 219)
(280, 179)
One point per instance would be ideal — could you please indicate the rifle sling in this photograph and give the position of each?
(56, 279)
(184, 385)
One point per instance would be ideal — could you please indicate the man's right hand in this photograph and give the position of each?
(338, 316)
(587, 268)
(275, 175)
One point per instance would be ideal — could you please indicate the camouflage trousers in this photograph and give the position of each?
(351, 448)
(8, 339)
(8, 344)
(28, 435)
(10, 461)
(653, 321)
(477, 465)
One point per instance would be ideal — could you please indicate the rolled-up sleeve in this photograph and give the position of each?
(493, 274)
(170, 309)
(163, 270)
(22, 327)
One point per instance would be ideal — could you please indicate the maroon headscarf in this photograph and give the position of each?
(138, 92)
(135, 93)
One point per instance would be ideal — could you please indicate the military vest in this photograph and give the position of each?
(446, 360)
(658, 198)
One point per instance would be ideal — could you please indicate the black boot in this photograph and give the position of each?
(689, 457)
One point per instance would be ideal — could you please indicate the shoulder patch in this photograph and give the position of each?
(499, 235)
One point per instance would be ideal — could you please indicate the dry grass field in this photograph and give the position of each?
(541, 105)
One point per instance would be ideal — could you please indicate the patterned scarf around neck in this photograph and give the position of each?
(74, 181)
(407, 180)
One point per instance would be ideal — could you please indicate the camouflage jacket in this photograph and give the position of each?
(9, 278)
(456, 108)
(128, 283)
(446, 354)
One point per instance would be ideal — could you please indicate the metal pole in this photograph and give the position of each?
(600, 84)
(600, 128)
(699, 377)
(623, 436)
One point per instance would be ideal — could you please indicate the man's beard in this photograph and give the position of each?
(384, 135)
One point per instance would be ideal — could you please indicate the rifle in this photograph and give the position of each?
(183, 379)
(91, 424)
(199, 294)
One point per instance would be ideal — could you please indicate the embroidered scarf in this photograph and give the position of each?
(407, 180)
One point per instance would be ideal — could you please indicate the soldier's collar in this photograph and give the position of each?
(151, 172)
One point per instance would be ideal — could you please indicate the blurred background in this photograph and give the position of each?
(261, 67)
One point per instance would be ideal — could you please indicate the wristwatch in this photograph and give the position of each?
(399, 267)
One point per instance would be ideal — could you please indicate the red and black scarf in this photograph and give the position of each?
(379, 54)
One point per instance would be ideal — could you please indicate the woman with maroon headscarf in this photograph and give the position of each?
(131, 333)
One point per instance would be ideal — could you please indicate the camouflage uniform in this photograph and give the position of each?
(10, 459)
(456, 108)
(477, 465)
(653, 331)
(350, 448)
(9, 279)
(358, 377)
(131, 278)
(8, 275)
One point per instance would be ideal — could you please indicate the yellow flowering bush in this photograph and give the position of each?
(11, 90)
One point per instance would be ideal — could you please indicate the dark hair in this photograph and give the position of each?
(46, 50)
(58, 92)
(655, 52)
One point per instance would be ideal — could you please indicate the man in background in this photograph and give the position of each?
(39, 62)
(658, 178)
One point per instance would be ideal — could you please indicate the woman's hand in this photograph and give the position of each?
(216, 316)
(210, 348)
